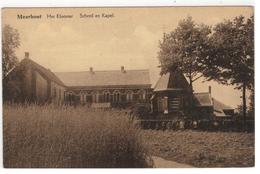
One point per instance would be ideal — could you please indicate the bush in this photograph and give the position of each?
(49, 136)
(141, 110)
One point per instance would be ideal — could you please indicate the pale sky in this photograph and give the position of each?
(130, 38)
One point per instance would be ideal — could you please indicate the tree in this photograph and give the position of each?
(10, 42)
(231, 58)
(251, 109)
(181, 48)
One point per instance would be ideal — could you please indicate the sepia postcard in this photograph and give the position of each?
(128, 87)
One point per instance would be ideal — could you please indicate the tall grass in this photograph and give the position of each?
(49, 136)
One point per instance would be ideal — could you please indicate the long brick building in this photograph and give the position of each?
(113, 87)
(32, 82)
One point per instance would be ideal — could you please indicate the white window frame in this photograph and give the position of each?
(129, 96)
(106, 95)
(116, 96)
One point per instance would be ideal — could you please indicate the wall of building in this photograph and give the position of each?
(109, 95)
(57, 93)
(47, 90)
(27, 92)
(171, 101)
(41, 88)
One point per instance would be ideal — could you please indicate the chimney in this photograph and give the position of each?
(91, 70)
(122, 69)
(209, 89)
(26, 55)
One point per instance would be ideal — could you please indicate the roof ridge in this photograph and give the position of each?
(160, 79)
(201, 93)
(102, 71)
(42, 68)
(223, 104)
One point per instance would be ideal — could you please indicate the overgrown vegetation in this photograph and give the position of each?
(49, 136)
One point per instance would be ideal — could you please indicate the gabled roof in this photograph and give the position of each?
(105, 78)
(219, 113)
(162, 83)
(205, 100)
(220, 106)
(171, 81)
(46, 72)
(202, 99)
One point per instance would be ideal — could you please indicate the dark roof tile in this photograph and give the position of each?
(105, 78)
(203, 99)
(171, 81)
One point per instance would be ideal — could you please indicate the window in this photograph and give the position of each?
(129, 96)
(95, 97)
(54, 92)
(89, 98)
(160, 104)
(69, 97)
(82, 97)
(106, 96)
(59, 94)
(142, 95)
(116, 96)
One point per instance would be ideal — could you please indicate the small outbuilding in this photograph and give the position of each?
(172, 95)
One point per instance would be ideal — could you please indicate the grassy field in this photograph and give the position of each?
(49, 136)
(203, 149)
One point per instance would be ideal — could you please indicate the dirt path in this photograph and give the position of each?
(162, 163)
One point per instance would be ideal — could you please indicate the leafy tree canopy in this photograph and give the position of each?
(10, 42)
(231, 53)
(182, 47)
